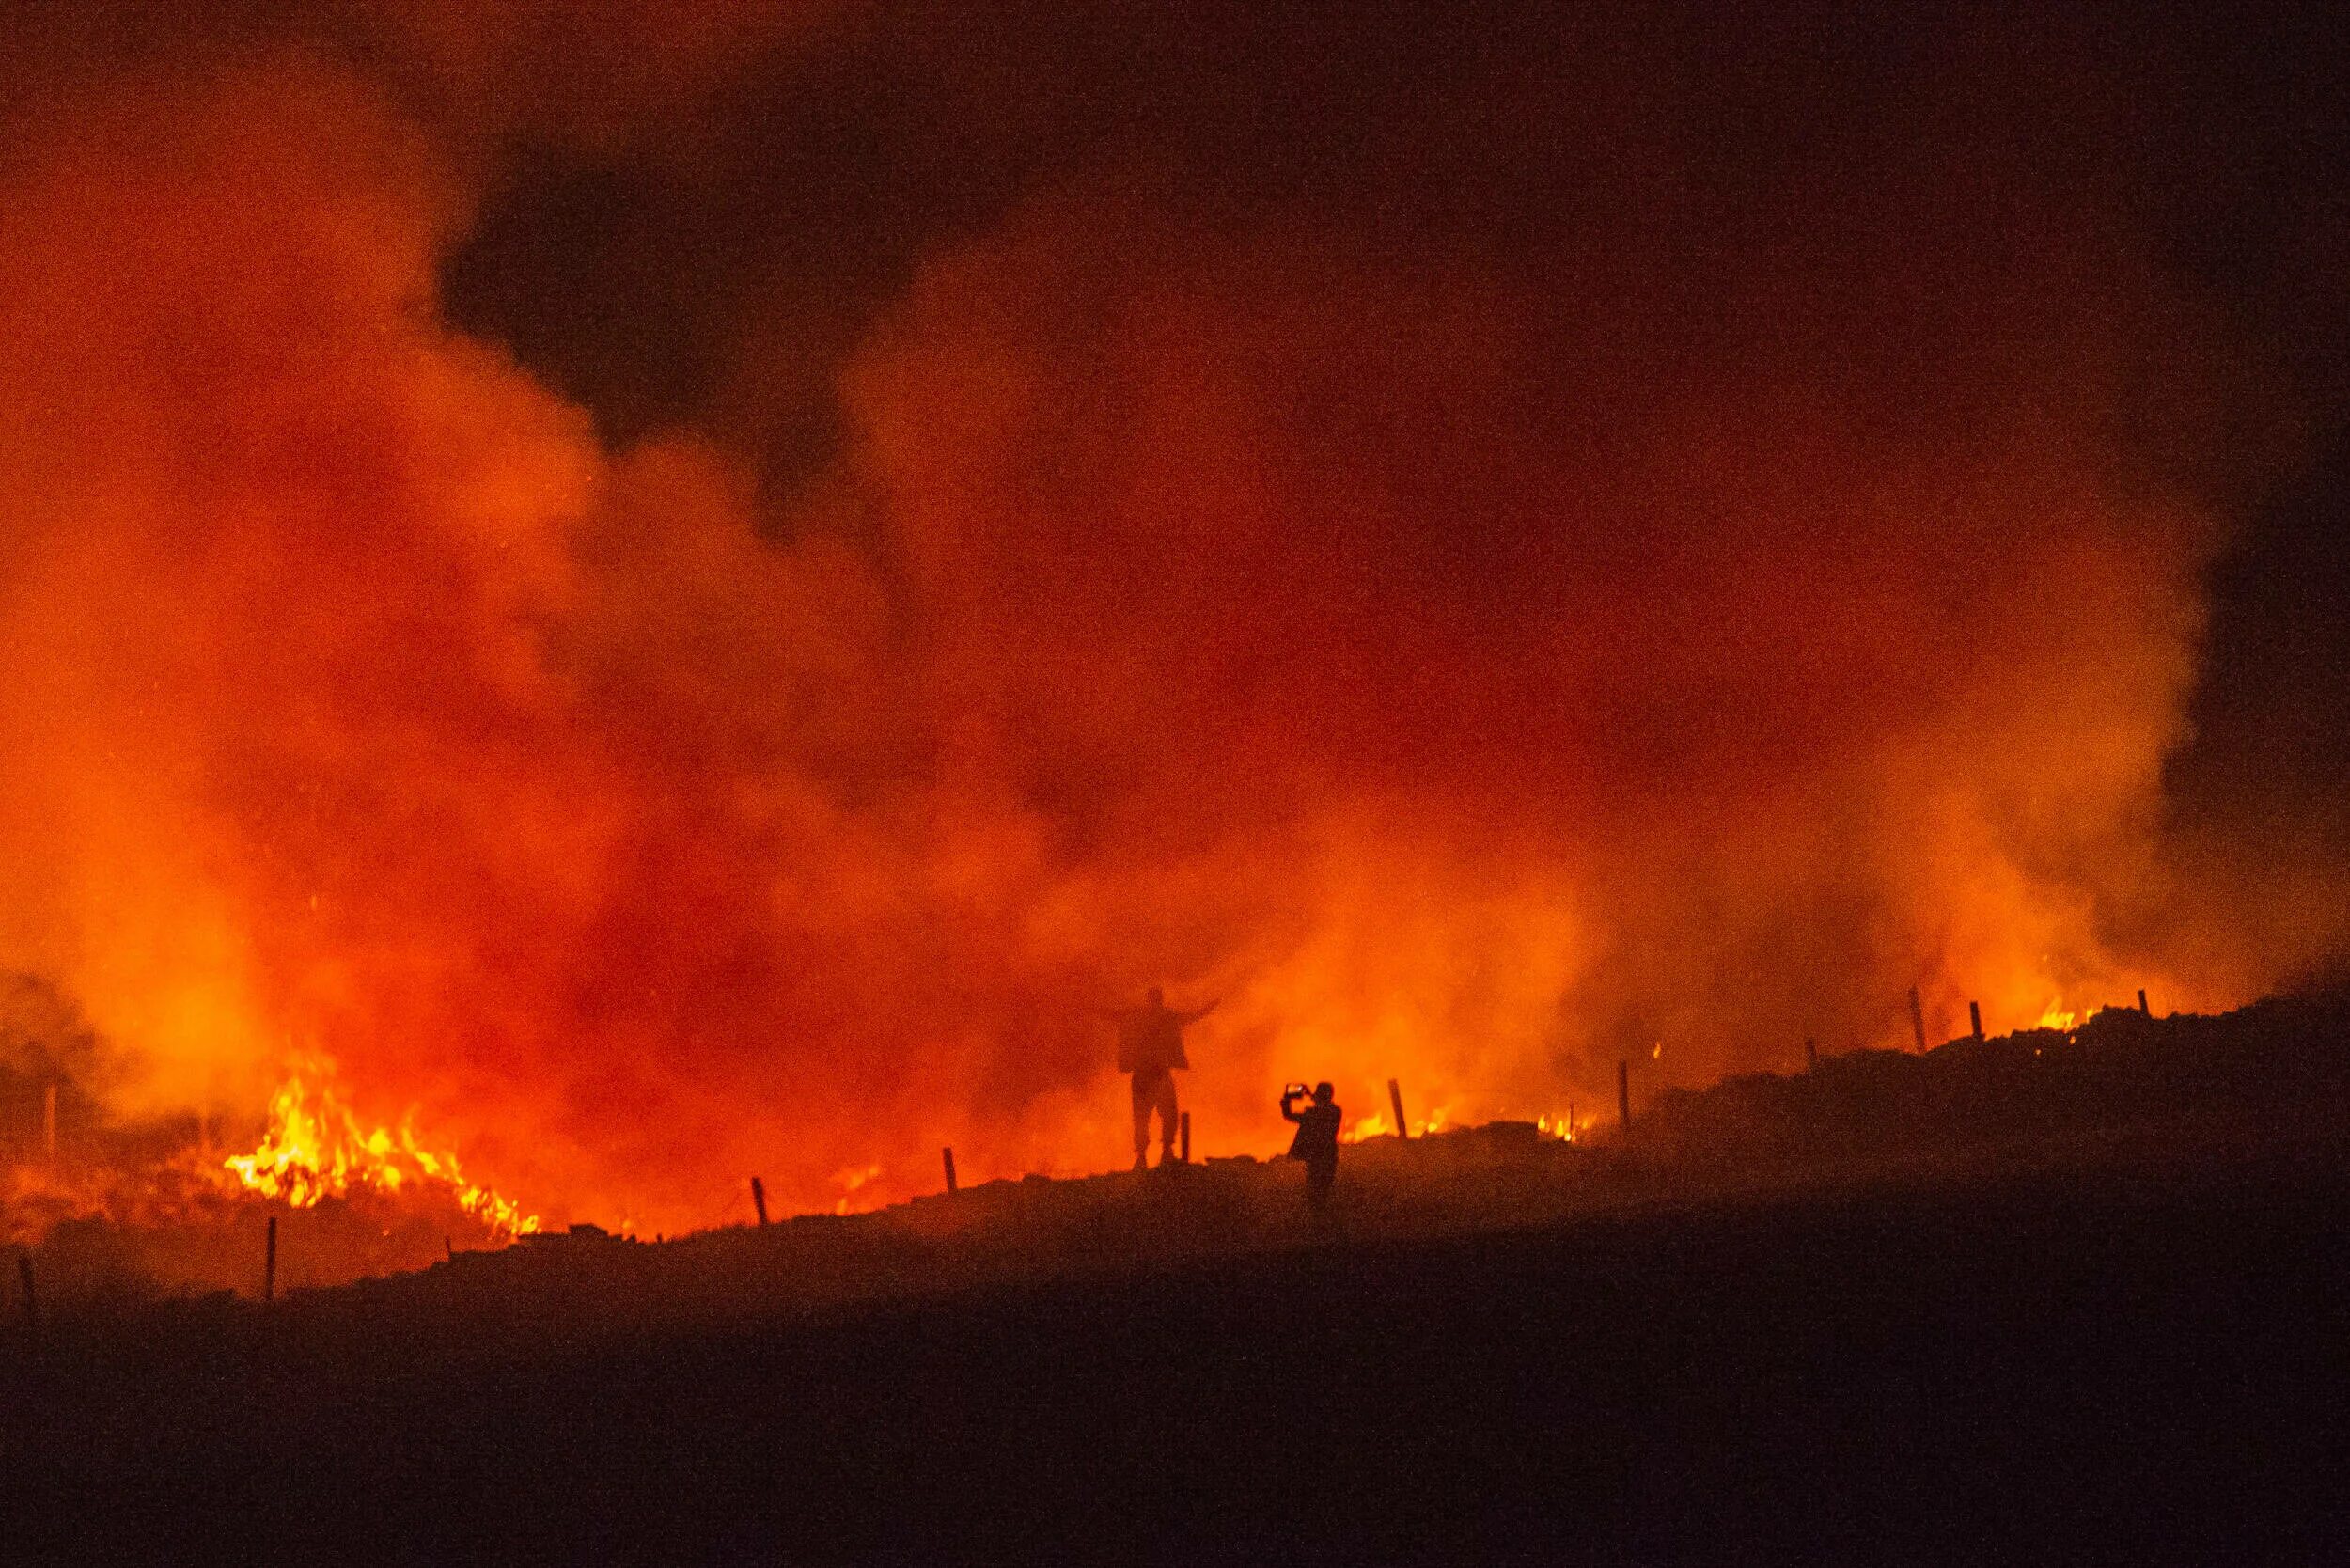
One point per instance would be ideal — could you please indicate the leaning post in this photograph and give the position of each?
(1974, 1016)
(1395, 1103)
(947, 1158)
(758, 1200)
(2143, 1007)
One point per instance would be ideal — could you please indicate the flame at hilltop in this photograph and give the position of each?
(316, 1148)
(1473, 658)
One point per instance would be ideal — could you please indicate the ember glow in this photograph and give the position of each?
(1480, 621)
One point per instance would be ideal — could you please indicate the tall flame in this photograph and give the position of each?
(316, 1148)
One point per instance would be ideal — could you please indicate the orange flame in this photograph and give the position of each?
(316, 1148)
(1377, 1125)
(853, 1181)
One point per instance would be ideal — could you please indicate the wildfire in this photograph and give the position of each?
(316, 1148)
(853, 1181)
(1560, 1127)
(1377, 1125)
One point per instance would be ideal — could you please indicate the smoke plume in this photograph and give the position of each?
(1520, 590)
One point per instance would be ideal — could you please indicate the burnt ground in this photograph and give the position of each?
(2136, 1353)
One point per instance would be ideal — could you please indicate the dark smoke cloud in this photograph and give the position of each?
(593, 74)
(1493, 550)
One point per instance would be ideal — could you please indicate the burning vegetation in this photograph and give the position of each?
(1481, 651)
(316, 1148)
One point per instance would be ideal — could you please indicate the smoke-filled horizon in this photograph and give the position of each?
(1492, 555)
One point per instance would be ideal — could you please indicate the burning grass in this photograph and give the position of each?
(355, 1200)
(317, 1148)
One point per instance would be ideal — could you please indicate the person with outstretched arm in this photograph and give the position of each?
(1151, 1047)
(1317, 1139)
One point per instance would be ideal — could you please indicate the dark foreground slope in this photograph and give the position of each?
(2146, 1365)
(2133, 1352)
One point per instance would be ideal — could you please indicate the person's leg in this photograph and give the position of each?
(1167, 1116)
(1319, 1175)
(1143, 1096)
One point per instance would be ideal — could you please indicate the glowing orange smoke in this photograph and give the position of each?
(1450, 662)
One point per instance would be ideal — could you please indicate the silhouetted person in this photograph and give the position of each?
(1317, 1139)
(1151, 1046)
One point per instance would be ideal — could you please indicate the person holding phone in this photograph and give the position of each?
(1317, 1139)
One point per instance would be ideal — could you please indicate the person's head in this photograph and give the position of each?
(1323, 1093)
(1156, 997)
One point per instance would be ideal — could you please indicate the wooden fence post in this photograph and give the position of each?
(1974, 1016)
(1918, 1020)
(1184, 1122)
(268, 1262)
(758, 1200)
(2143, 1007)
(1395, 1103)
(947, 1156)
(1623, 1094)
